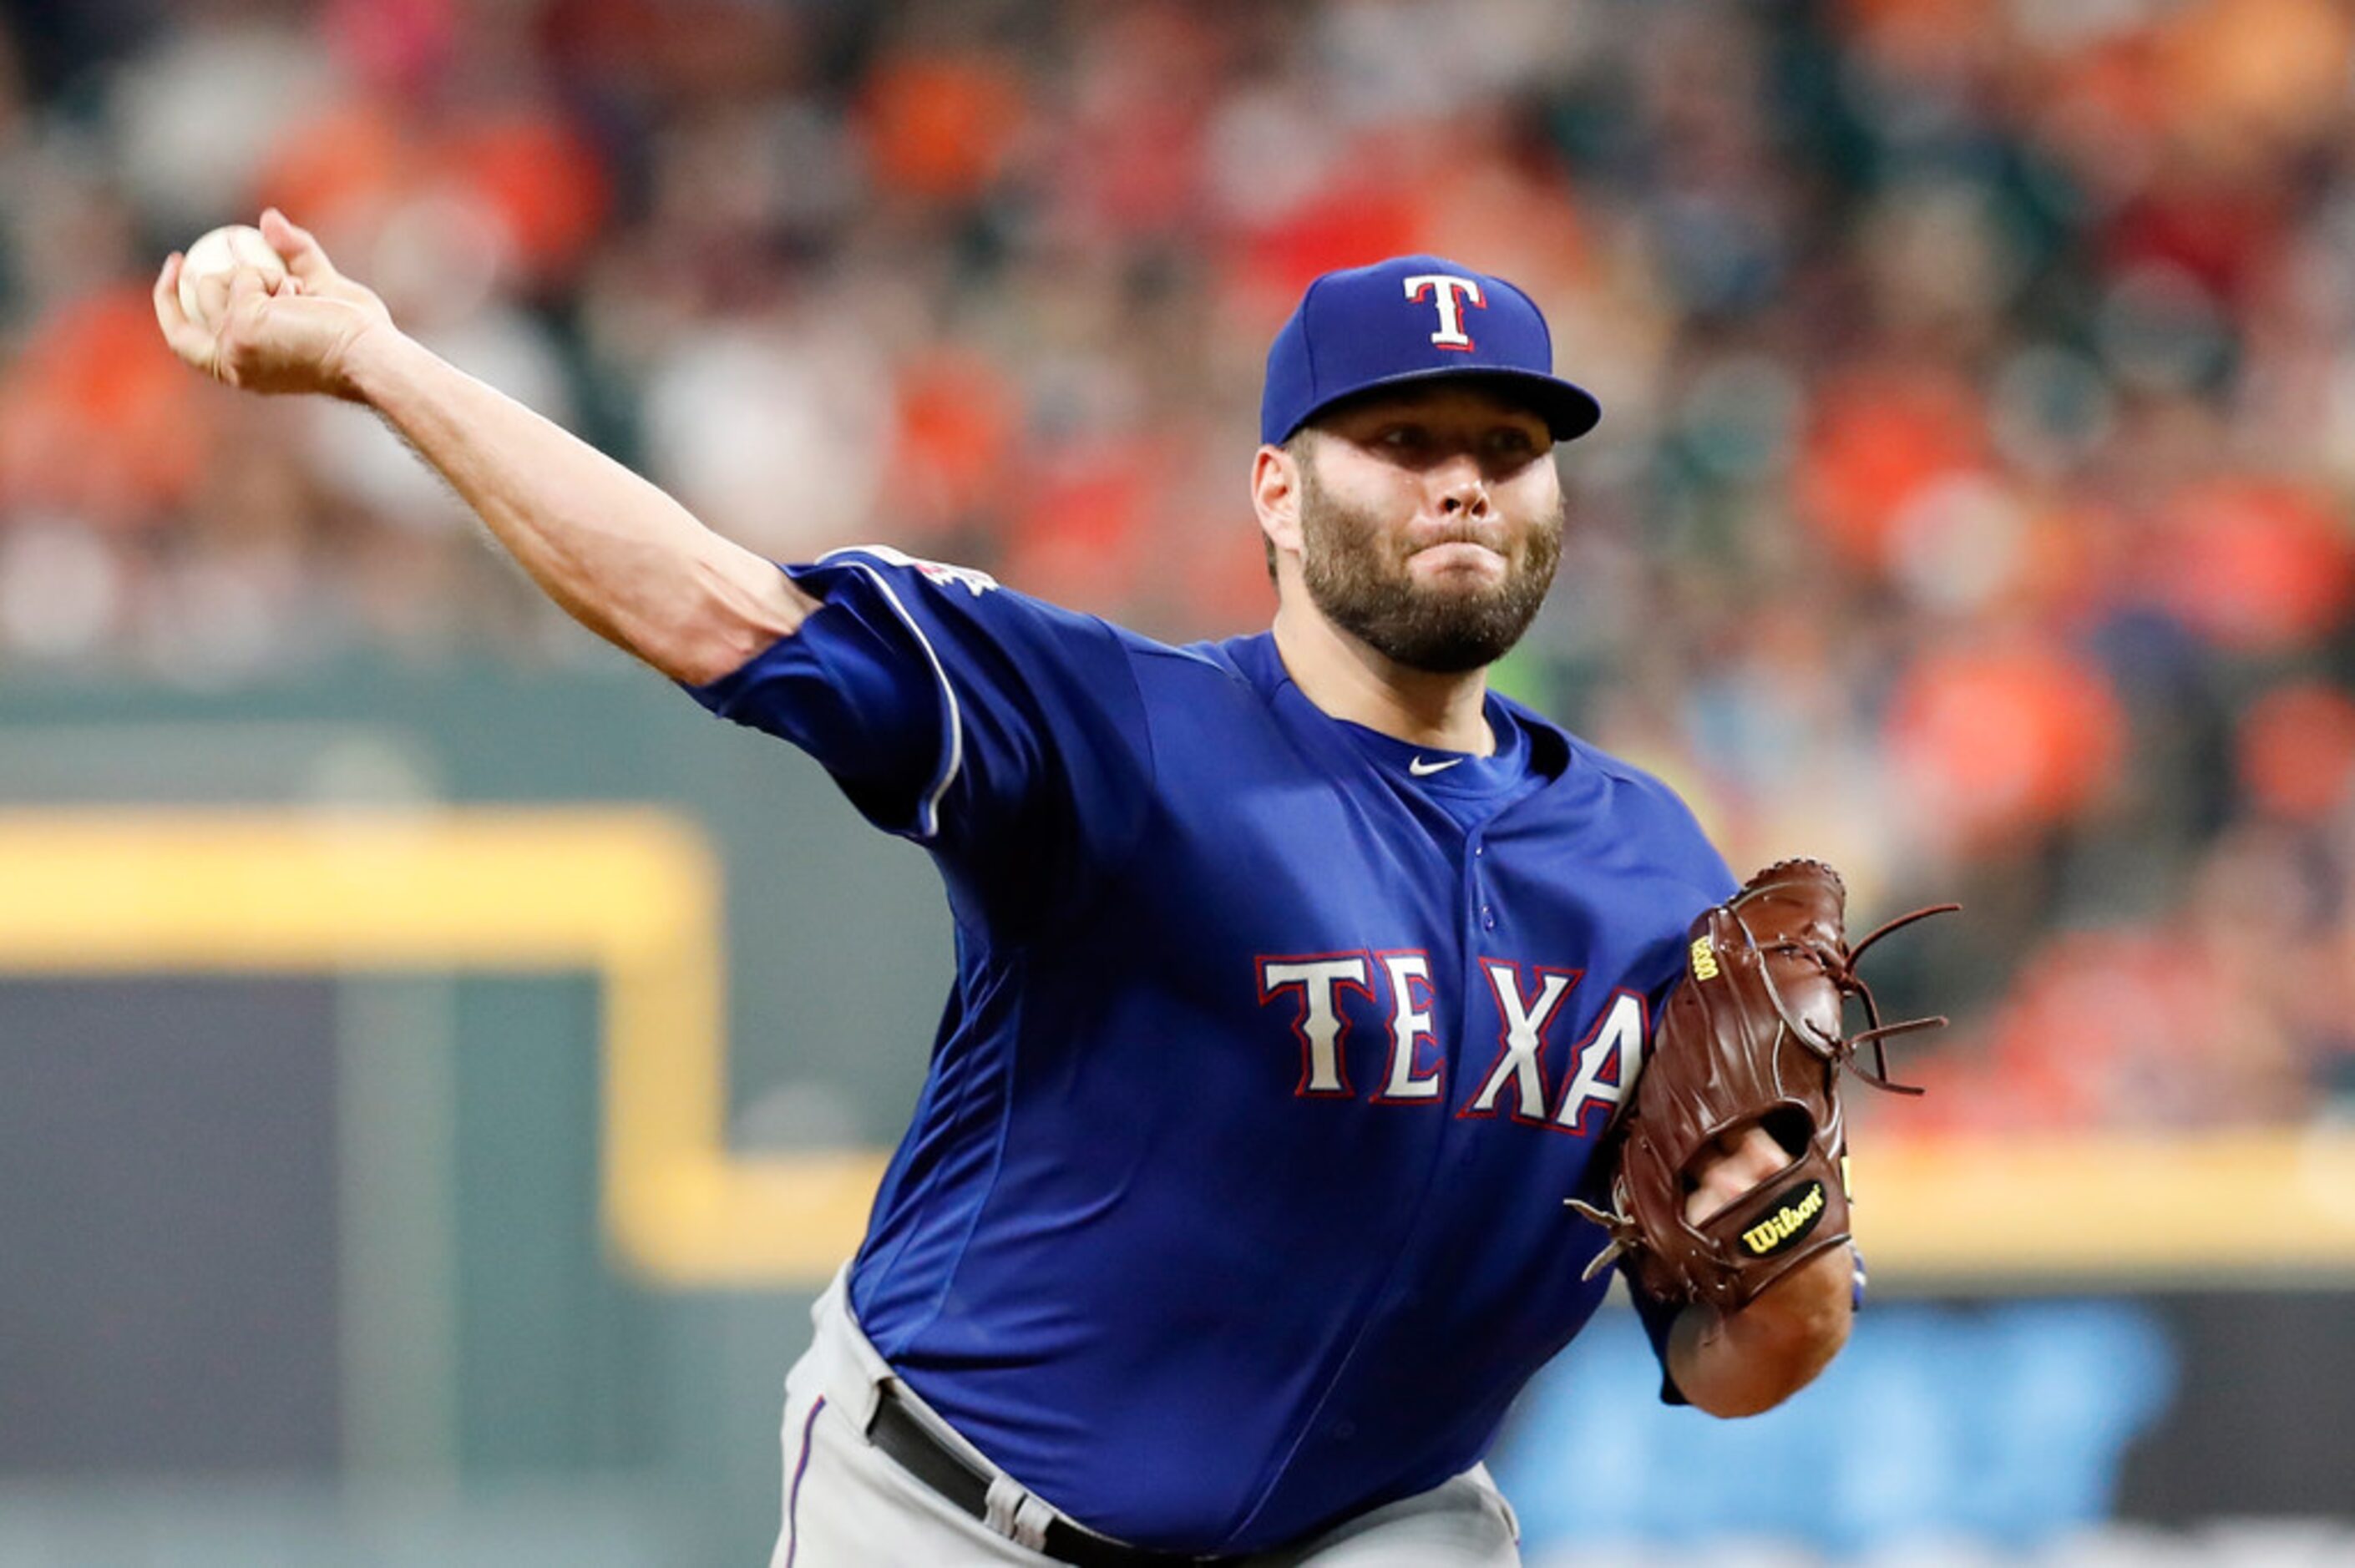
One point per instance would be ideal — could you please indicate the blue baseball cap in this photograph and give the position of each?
(1409, 319)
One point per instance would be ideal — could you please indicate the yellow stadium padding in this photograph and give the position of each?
(633, 897)
(2205, 1209)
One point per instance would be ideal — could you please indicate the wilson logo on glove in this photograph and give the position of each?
(1795, 1214)
(1704, 960)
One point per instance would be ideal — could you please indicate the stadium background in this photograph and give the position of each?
(437, 1065)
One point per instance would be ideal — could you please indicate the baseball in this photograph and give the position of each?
(218, 253)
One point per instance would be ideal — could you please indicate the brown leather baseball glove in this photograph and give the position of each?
(1752, 1036)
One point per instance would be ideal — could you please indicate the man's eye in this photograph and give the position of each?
(1401, 435)
(1511, 441)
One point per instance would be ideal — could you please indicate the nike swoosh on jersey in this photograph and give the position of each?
(1423, 769)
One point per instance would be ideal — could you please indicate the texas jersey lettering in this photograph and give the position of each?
(1600, 1074)
(1275, 1046)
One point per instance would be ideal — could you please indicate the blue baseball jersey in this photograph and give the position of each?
(1232, 1204)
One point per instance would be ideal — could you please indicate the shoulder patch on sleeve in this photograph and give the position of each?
(971, 578)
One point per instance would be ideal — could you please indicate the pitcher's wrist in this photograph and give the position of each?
(371, 362)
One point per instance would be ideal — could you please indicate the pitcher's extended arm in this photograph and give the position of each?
(619, 554)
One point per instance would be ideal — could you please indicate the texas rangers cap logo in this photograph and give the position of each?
(1409, 319)
(1453, 294)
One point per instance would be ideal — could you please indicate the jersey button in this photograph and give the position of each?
(1487, 917)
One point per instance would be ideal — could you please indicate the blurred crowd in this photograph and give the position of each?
(1970, 507)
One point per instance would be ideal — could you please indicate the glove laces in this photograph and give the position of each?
(1840, 966)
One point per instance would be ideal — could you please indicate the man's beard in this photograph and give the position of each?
(1351, 573)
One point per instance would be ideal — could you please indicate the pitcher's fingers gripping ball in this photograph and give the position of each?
(211, 265)
(1752, 1038)
(263, 309)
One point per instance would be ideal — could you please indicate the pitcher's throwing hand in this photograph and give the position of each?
(292, 334)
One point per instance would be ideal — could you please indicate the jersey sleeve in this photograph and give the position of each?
(1657, 1317)
(1005, 735)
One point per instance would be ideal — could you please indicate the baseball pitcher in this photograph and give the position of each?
(1322, 1019)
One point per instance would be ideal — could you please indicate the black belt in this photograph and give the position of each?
(898, 1433)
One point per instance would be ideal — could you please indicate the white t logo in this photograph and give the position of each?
(1452, 292)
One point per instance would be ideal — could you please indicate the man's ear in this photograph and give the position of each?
(1275, 496)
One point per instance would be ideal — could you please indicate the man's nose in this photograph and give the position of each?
(1461, 487)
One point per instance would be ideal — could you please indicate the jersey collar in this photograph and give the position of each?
(1256, 660)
